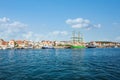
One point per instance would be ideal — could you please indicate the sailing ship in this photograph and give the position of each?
(77, 40)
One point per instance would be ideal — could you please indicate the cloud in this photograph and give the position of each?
(4, 19)
(32, 36)
(15, 30)
(64, 33)
(11, 29)
(82, 23)
(55, 32)
(97, 26)
(56, 35)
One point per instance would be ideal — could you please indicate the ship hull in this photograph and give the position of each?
(77, 47)
(47, 47)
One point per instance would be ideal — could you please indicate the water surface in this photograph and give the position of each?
(60, 64)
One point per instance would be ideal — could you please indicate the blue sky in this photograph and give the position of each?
(56, 19)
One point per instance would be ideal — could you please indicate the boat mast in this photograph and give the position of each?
(79, 37)
(73, 36)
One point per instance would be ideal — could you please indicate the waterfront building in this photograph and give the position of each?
(25, 43)
(11, 44)
(3, 44)
(20, 44)
(47, 43)
(105, 43)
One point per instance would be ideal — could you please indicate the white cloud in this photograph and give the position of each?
(55, 32)
(82, 23)
(63, 33)
(16, 30)
(28, 35)
(56, 35)
(11, 29)
(97, 26)
(32, 36)
(4, 19)
(74, 21)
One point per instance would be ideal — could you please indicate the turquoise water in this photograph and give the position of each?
(60, 64)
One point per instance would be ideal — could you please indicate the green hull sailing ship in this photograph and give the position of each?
(77, 41)
(77, 46)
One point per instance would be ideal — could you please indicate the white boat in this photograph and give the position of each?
(47, 47)
(4, 48)
(91, 45)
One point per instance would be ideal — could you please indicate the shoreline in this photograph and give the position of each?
(57, 47)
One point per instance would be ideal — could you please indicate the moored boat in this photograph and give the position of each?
(77, 46)
(91, 46)
(77, 40)
(47, 47)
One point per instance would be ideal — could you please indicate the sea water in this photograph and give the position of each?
(60, 64)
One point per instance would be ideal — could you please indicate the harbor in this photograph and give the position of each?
(23, 44)
(59, 40)
(76, 42)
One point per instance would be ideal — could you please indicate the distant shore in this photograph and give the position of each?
(24, 44)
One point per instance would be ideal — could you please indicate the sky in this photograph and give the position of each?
(36, 20)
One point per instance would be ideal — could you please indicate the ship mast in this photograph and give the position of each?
(81, 38)
(73, 37)
(77, 37)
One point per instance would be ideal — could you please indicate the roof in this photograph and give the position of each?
(4, 43)
(19, 42)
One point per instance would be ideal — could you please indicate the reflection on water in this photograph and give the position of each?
(57, 64)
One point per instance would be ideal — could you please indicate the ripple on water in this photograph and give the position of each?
(60, 64)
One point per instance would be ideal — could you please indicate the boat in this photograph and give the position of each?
(115, 46)
(4, 48)
(91, 45)
(77, 46)
(67, 47)
(47, 47)
(77, 41)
